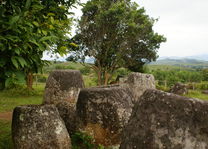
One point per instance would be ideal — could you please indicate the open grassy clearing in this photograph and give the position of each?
(12, 98)
(197, 94)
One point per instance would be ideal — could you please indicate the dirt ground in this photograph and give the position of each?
(6, 116)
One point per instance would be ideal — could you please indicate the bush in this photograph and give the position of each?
(122, 72)
(42, 78)
(174, 76)
(201, 86)
(85, 70)
(21, 90)
(83, 141)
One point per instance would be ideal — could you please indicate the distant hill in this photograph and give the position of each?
(202, 57)
(183, 62)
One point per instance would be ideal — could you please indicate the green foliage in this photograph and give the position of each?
(27, 29)
(173, 76)
(85, 70)
(90, 80)
(14, 79)
(41, 78)
(122, 72)
(116, 34)
(82, 140)
(201, 86)
(205, 74)
(197, 94)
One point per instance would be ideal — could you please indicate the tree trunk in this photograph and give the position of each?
(2, 84)
(107, 76)
(99, 78)
(29, 80)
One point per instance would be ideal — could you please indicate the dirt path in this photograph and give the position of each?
(6, 116)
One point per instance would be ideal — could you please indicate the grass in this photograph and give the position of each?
(8, 101)
(16, 97)
(5, 135)
(197, 94)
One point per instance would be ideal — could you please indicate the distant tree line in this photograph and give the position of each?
(184, 76)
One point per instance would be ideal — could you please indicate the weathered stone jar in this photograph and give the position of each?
(63, 85)
(104, 112)
(138, 83)
(163, 120)
(39, 127)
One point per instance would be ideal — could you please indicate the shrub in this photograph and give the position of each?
(201, 86)
(42, 78)
(81, 140)
(21, 90)
(85, 70)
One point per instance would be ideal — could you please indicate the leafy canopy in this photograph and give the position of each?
(116, 33)
(27, 29)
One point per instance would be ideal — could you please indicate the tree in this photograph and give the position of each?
(27, 29)
(205, 74)
(116, 33)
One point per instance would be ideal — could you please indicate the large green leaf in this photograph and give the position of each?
(34, 42)
(14, 20)
(20, 77)
(28, 4)
(17, 51)
(14, 61)
(22, 61)
(8, 82)
(44, 32)
(36, 23)
(48, 38)
(2, 62)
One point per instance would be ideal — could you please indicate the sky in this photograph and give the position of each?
(183, 22)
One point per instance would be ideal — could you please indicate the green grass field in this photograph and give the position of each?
(197, 94)
(12, 98)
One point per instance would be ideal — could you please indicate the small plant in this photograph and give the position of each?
(81, 140)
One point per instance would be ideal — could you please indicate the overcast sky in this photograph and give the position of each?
(183, 22)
